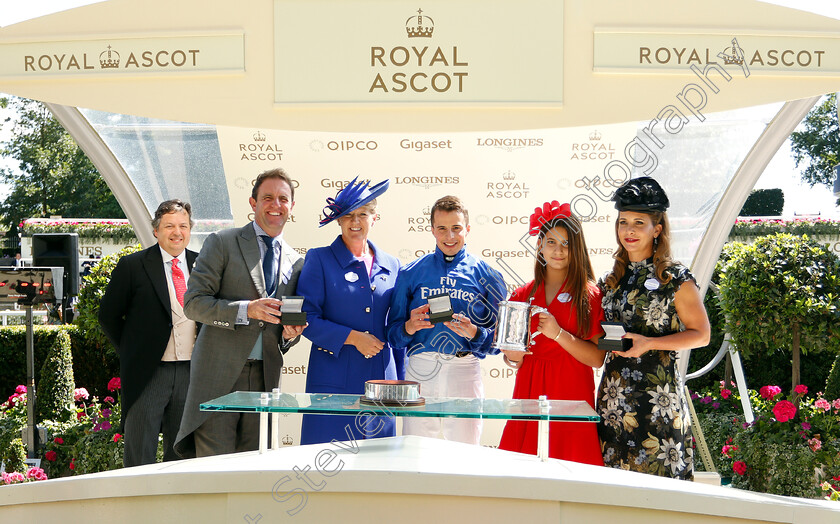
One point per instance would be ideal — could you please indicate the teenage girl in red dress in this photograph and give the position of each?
(559, 364)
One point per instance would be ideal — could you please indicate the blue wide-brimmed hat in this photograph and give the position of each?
(353, 196)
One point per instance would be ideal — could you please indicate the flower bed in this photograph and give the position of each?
(87, 442)
(747, 228)
(791, 448)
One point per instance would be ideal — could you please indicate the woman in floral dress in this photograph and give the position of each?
(644, 417)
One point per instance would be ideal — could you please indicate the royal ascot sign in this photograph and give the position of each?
(632, 52)
(123, 55)
(439, 51)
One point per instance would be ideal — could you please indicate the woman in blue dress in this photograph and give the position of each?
(347, 289)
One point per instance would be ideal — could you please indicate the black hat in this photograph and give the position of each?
(642, 194)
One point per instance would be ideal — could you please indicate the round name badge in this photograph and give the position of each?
(351, 276)
(651, 284)
(564, 297)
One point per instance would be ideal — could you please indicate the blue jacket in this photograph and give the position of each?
(339, 297)
(475, 290)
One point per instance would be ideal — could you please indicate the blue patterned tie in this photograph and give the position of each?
(269, 266)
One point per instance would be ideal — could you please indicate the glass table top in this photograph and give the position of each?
(335, 404)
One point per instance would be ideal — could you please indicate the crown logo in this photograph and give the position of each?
(427, 210)
(287, 440)
(419, 26)
(595, 135)
(737, 56)
(109, 59)
(259, 137)
(509, 175)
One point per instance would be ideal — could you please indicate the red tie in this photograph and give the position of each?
(178, 281)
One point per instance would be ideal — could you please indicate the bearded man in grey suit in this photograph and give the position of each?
(234, 291)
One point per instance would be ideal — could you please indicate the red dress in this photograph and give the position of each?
(553, 372)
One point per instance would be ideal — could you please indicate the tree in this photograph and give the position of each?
(818, 146)
(764, 203)
(56, 177)
(782, 291)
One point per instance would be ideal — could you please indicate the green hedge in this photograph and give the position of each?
(53, 365)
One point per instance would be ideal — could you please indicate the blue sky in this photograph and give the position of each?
(799, 198)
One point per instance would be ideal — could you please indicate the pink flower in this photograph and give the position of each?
(14, 477)
(815, 444)
(117, 437)
(836, 403)
(114, 384)
(784, 410)
(109, 400)
(80, 394)
(768, 392)
(725, 393)
(740, 467)
(801, 389)
(20, 390)
(58, 440)
(806, 426)
(822, 404)
(36, 474)
(51, 455)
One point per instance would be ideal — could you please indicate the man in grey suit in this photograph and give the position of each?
(234, 291)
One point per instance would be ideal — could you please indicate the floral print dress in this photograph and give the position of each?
(644, 418)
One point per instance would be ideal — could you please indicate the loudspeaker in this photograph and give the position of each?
(59, 250)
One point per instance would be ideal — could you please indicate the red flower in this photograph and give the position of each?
(117, 437)
(80, 415)
(114, 384)
(725, 393)
(58, 440)
(768, 392)
(802, 389)
(51, 455)
(72, 463)
(784, 410)
(740, 467)
(20, 390)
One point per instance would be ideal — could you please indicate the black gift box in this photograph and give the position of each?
(291, 314)
(440, 308)
(612, 341)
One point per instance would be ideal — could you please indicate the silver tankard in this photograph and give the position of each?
(513, 325)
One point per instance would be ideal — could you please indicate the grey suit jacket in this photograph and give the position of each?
(227, 273)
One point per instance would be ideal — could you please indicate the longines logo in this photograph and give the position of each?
(601, 251)
(509, 144)
(426, 182)
(592, 149)
(110, 59)
(339, 184)
(422, 63)
(344, 145)
(259, 149)
(421, 223)
(501, 220)
(425, 145)
(508, 187)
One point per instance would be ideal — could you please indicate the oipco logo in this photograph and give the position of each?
(345, 145)
(502, 373)
(243, 183)
(502, 220)
(411, 254)
(507, 187)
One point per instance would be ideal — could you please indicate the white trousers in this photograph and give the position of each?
(445, 376)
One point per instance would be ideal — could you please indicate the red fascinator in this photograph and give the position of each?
(550, 211)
